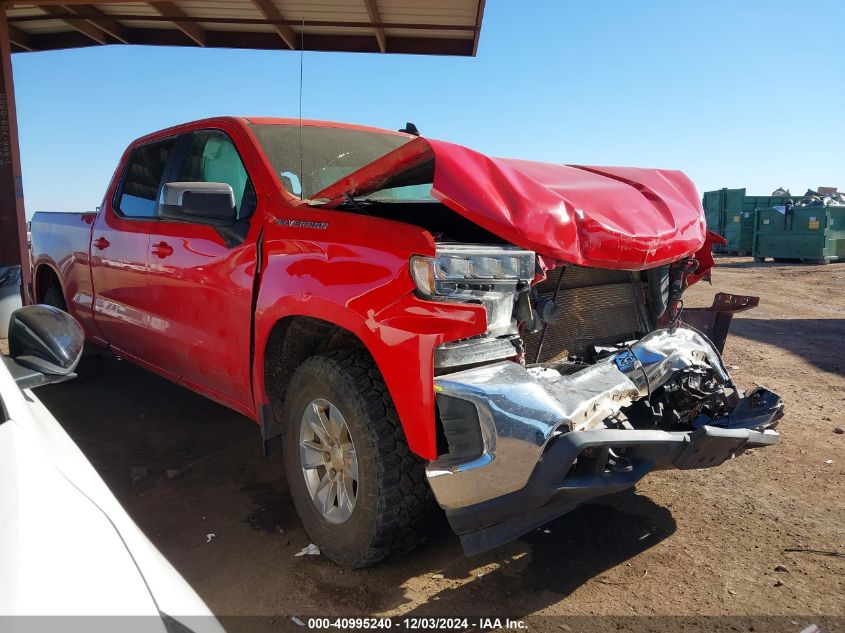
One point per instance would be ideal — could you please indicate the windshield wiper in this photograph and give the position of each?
(350, 200)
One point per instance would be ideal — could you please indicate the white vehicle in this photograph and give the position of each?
(67, 547)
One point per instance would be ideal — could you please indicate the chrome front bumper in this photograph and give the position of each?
(535, 424)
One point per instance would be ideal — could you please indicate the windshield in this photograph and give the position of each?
(328, 154)
(409, 193)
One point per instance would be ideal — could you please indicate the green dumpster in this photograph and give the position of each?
(739, 231)
(809, 234)
(733, 215)
(714, 210)
(723, 212)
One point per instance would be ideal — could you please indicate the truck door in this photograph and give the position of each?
(120, 243)
(200, 278)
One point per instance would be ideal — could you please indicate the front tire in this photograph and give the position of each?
(360, 492)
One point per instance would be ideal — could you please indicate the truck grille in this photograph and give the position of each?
(594, 307)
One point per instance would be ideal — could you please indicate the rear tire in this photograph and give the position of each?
(53, 296)
(393, 505)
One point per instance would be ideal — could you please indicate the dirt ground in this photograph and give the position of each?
(695, 542)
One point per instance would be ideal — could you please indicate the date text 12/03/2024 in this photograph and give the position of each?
(413, 624)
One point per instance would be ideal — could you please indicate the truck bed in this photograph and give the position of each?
(61, 240)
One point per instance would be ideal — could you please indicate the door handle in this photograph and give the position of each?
(101, 243)
(162, 249)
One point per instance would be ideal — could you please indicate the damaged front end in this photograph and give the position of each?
(602, 379)
(591, 373)
(533, 443)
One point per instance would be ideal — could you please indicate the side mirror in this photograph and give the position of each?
(211, 203)
(45, 345)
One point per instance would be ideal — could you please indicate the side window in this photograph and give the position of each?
(137, 196)
(212, 157)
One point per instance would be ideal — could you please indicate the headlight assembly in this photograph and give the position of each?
(459, 267)
(476, 273)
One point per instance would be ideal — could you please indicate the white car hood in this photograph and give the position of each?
(61, 555)
(67, 546)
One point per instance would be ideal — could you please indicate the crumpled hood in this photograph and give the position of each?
(605, 217)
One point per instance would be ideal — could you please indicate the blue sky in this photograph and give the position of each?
(736, 94)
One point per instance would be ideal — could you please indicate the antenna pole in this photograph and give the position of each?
(301, 58)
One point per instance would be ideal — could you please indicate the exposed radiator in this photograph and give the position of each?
(594, 307)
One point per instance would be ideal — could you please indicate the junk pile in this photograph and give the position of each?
(823, 197)
(783, 227)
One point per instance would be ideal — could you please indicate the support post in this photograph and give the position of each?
(13, 243)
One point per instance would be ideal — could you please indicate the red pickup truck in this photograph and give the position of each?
(418, 323)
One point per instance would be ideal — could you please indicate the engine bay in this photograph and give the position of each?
(588, 334)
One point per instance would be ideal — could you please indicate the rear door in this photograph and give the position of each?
(120, 243)
(200, 277)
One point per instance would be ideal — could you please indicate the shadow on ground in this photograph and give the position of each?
(226, 522)
(820, 342)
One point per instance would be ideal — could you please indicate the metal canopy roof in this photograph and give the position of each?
(439, 27)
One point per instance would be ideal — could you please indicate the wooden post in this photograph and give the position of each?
(13, 246)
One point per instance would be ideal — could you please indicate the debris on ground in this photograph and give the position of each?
(210, 536)
(138, 473)
(823, 552)
(781, 568)
(174, 473)
(828, 461)
(311, 550)
(779, 583)
(839, 430)
(625, 582)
